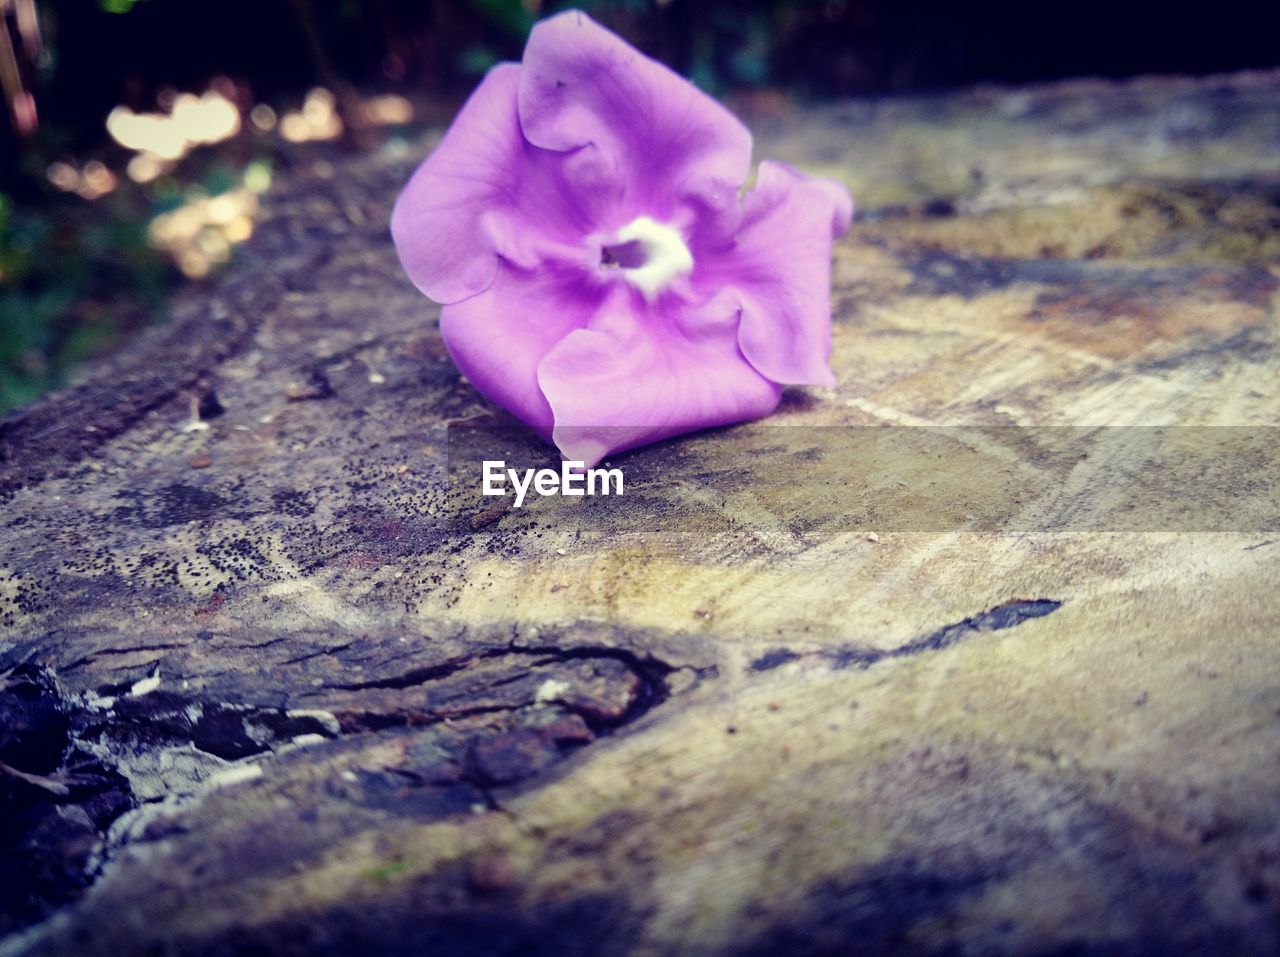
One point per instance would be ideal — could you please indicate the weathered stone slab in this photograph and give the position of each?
(271, 685)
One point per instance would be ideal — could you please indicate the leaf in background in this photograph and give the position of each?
(476, 61)
(510, 15)
(117, 6)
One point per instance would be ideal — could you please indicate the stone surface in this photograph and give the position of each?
(271, 684)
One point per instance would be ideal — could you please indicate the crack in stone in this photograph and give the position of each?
(523, 710)
(1007, 615)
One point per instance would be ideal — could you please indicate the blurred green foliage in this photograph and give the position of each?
(117, 6)
(512, 16)
(720, 46)
(74, 281)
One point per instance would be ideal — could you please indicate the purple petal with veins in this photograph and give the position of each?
(601, 278)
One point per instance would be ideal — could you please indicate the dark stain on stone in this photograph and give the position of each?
(1253, 346)
(175, 503)
(209, 406)
(1100, 292)
(404, 795)
(797, 400)
(295, 504)
(773, 659)
(942, 273)
(222, 732)
(921, 903)
(462, 916)
(1007, 615)
(938, 208)
(57, 798)
(511, 756)
(315, 385)
(871, 912)
(163, 719)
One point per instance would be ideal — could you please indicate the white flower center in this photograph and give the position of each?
(650, 255)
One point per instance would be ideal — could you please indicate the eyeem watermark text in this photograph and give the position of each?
(573, 479)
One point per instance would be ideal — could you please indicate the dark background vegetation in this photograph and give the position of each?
(79, 275)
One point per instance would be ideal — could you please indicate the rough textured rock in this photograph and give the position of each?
(272, 684)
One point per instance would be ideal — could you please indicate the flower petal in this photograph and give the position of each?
(486, 193)
(631, 379)
(633, 121)
(499, 337)
(781, 268)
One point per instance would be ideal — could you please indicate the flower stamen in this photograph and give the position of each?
(650, 255)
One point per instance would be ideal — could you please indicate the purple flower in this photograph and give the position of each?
(600, 277)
